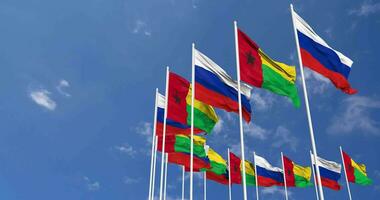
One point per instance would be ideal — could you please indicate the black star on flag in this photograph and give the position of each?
(250, 58)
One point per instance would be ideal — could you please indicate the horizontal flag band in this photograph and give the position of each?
(268, 182)
(325, 56)
(285, 71)
(169, 122)
(328, 174)
(250, 179)
(330, 184)
(301, 181)
(201, 119)
(211, 82)
(276, 176)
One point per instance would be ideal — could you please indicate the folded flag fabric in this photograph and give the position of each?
(199, 164)
(181, 144)
(329, 172)
(267, 175)
(215, 87)
(355, 172)
(218, 164)
(236, 171)
(317, 55)
(172, 127)
(219, 178)
(179, 105)
(296, 175)
(259, 70)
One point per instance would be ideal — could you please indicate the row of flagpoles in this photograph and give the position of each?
(339, 83)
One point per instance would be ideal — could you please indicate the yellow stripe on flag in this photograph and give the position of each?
(204, 108)
(360, 167)
(249, 168)
(286, 71)
(213, 156)
(302, 171)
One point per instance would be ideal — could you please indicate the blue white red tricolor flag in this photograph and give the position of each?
(317, 55)
(330, 172)
(267, 175)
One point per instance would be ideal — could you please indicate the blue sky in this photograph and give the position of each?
(78, 80)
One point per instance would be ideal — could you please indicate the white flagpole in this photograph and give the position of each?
(314, 148)
(166, 174)
(153, 145)
(164, 132)
(154, 166)
(345, 173)
(283, 171)
(229, 175)
(240, 109)
(204, 185)
(256, 179)
(183, 182)
(192, 121)
(315, 180)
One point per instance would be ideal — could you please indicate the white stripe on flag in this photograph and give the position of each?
(262, 162)
(161, 101)
(330, 165)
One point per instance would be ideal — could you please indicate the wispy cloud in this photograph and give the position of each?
(316, 83)
(366, 8)
(356, 115)
(256, 131)
(61, 86)
(140, 27)
(145, 129)
(218, 126)
(274, 190)
(262, 100)
(91, 185)
(130, 180)
(42, 98)
(126, 149)
(283, 137)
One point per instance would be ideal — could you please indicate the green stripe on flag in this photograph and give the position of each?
(182, 144)
(361, 179)
(201, 120)
(302, 182)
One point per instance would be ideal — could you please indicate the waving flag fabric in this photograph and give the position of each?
(296, 175)
(257, 69)
(330, 172)
(179, 104)
(267, 175)
(218, 164)
(199, 164)
(236, 171)
(215, 87)
(222, 178)
(182, 143)
(172, 127)
(356, 173)
(317, 55)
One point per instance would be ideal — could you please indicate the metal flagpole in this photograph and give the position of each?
(164, 132)
(192, 121)
(240, 110)
(166, 174)
(315, 180)
(154, 166)
(256, 179)
(204, 186)
(183, 182)
(229, 175)
(314, 148)
(283, 171)
(345, 173)
(153, 141)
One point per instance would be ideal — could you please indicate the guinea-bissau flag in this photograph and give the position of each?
(236, 168)
(296, 175)
(259, 70)
(179, 105)
(218, 171)
(356, 173)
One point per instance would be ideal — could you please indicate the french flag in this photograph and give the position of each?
(216, 88)
(267, 175)
(172, 127)
(317, 55)
(330, 172)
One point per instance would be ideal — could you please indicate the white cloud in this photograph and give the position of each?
(130, 180)
(91, 185)
(145, 129)
(283, 137)
(262, 100)
(141, 27)
(328, 32)
(356, 115)
(315, 82)
(218, 126)
(126, 149)
(274, 190)
(41, 97)
(365, 9)
(256, 131)
(60, 87)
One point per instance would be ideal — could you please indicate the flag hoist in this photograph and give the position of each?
(313, 145)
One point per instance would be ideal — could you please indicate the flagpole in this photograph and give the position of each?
(315, 180)
(240, 110)
(314, 148)
(192, 121)
(256, 179)
(166, 174)
(183, 182)
(283, 170)
(345, 173)
(164, 132)
(154, 166)
(229, 175)
(153, 141)
(204, 186)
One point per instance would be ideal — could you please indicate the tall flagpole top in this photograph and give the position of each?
(193, 44)
(291, 6)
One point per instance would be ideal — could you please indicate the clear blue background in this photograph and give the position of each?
(90, 140)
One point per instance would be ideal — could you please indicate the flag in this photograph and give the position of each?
(267, 175)
(296, 175)
(222, 178)
(356, 173)
(199, 164)
(181, 144)
(236, 171)
(329, 172)
(172, 127)
(259, 70)
(317, 55)
(215, 87)
(218, 164)
(179, 104)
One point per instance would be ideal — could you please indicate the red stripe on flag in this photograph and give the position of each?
(268, 182)
(289, 173)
